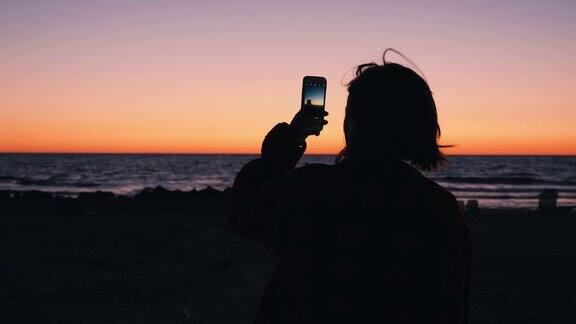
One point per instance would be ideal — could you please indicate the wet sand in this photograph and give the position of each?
(168, 257)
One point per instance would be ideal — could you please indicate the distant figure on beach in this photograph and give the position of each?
(368, 239)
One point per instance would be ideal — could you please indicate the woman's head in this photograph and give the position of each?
(391, 115)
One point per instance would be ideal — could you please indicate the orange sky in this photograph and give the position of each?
(213, 77)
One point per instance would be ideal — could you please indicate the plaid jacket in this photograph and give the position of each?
(356, 243)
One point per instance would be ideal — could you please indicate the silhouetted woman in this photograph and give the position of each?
(368, 239)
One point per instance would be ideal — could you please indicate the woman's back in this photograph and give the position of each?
(369, 238)
(357, 243)
(363, 242)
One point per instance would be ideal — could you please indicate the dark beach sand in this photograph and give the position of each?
(168, 257)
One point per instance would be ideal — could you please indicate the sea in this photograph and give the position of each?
(494, 181)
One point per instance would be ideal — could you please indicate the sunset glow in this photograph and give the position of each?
(214, 77)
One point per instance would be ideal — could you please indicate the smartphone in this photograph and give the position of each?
(313, 92)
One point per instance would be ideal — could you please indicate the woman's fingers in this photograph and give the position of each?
(309, 122)
(317, 128)
(320, 122)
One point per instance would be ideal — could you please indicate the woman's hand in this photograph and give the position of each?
(308, 122)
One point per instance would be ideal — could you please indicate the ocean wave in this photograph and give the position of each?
(503, 180)
(9, 178)
(499, 167)
(48, 182)
(506, 196)
(520, 174)
(496, 197)
(506, 190)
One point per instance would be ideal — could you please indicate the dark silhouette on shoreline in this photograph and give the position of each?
(103, 258)
(369, 238)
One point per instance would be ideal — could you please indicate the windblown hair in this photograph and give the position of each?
(391, 115)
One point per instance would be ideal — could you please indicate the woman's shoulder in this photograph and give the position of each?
(426, 186)
(312, 170)
(306, 178)
(308, 173)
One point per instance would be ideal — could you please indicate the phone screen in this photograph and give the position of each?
(313, 93)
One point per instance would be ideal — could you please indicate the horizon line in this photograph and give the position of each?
(258, 153)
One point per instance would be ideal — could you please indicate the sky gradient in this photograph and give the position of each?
(215, 76)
